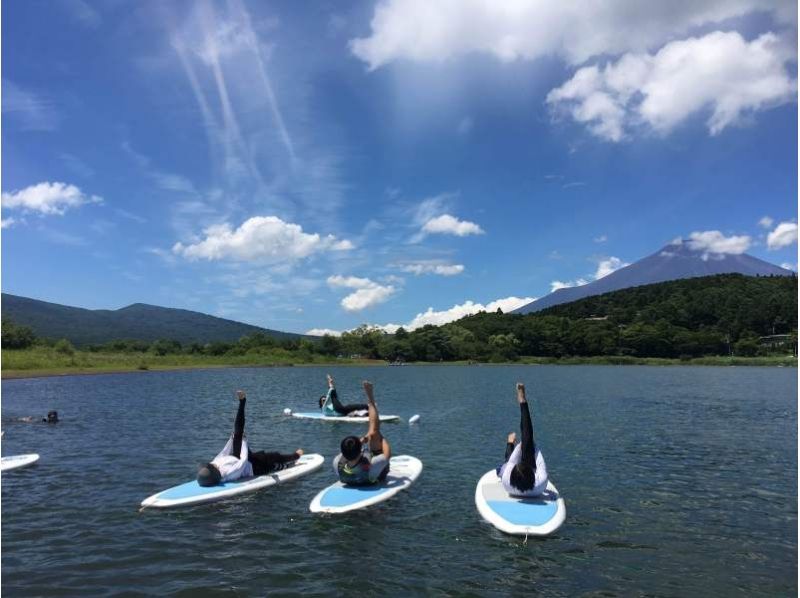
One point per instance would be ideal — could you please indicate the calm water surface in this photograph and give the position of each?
(679, 481)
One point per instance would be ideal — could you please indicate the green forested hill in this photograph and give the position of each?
(138, 321)
(726, 314)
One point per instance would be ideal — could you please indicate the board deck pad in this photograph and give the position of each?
(341, 418)
(339, 498)
(17, 461)
(537, 516)
(192, 493)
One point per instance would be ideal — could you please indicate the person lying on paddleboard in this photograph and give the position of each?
(330, 404)
(52, 418)
(237, 461)
(524, 472)
(364, 461)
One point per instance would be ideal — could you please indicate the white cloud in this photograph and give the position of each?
(719, 72)
(424, 31)
(789, 266)
(468, 308)
(367, 294)
(607, 266)
(766, 222)
(323, 332)
(600, 239)
(440, 269)
(48, 198)
(558, 284)
(784, 235)
(265, 239)
(7, 222)
(713, 242)
(450, 225)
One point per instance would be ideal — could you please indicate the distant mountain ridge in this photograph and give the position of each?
(674, 261)
(138, 321)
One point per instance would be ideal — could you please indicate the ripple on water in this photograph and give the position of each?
(650, 461)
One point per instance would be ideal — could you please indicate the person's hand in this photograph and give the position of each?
(300, 452)
(512, 438)
(330, 380)
(240, 394)
(520, 392)
(368, 390)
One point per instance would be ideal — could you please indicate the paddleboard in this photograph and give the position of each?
(537, 516)
(192, 493)
(17, 461)
(342, 418)
(338, 498)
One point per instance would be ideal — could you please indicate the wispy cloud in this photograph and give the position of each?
(30, 111)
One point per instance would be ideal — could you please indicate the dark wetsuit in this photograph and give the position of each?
(343, 409)
(261, 461)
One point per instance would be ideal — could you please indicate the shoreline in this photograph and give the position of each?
(791, 362)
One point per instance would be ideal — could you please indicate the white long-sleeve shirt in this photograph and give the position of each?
(540, 479)
(230, 466)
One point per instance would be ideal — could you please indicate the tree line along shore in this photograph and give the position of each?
(719, 320)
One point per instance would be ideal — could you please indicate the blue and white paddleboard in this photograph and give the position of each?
(538, 516)
(341, 418)
(192, 493)
(338, 498)
(17, 461)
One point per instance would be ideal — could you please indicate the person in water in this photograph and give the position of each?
(524, 472)
(364, 461)
(236, 460)
(52, 418)
(330, 405)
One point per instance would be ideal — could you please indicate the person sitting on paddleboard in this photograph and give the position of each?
(524, 472)
(330, 404)
(237, 461)
(364, 461)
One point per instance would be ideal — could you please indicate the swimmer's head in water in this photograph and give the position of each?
(322, 401)
(351, 447)
(208, 475)
(522, 477)
(52, 417)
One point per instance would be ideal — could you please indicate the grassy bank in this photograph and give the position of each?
(46, 361)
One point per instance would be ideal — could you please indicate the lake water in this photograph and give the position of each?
(679, 481)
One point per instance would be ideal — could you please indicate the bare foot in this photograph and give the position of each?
(300, 452)
(512, 437)
(521, 392)
(240, 394)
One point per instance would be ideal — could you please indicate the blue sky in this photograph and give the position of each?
(309, 166)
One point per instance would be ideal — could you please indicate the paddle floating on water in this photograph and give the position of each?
(413, 419)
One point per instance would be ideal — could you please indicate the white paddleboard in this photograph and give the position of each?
(342, 418)
(537, 516)
(192, 493)
(338, 498)
(17, 461)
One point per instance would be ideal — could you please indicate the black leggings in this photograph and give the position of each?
(344, 409)
(528, 444)
(261, 461)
